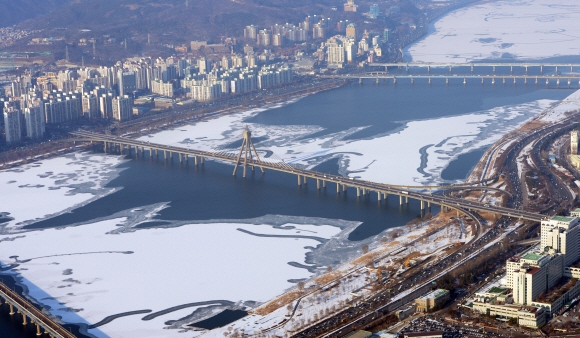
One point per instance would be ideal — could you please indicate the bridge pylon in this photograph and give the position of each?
(247, 148)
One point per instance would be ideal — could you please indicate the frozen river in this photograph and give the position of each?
(154, 246)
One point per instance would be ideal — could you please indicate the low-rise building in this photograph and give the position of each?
(432, 300)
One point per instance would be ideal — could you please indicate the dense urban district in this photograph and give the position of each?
(506, 275)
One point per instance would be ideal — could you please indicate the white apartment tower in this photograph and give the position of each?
(34, 116)
(122, 108)
(12, 125)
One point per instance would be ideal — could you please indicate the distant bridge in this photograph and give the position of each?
(251, 159)
(493, 79)
(473, 65)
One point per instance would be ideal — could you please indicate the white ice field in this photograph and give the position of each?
(89, 272)
(520, 29)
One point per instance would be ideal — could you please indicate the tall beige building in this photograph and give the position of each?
(351, 31)
(574, 142)
(350, 6)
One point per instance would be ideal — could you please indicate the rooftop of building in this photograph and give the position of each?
(532, 256)
(423, 334)
(435, 294)
(566, 219)
(358, 334)
(497, 289)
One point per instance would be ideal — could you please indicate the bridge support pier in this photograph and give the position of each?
(494, 69)
(385, 195)
(379, 196)
(324, 184)
(344, 187)
(446, 80)
(337, 188)
(464, 81)
(526, 70)
(202, 161)
(394, 80)
(299, 181)
(195, 160)
(406, 200)
(180, 157)
(357, 192)
(429, 80)
(24, 319)
(493, 80)
(482, 80)
(514, 80)
(428, 204)
(305, 181)
(541, 69)
(317, 184)
(526, 80)
(400, 200)
(137, 151)
(11, 308)
(422, 205)
(536, 80)
(412, 80)
(38, 333)
(503, 80)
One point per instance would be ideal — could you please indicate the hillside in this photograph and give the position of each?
(14, 12)
(199, 19)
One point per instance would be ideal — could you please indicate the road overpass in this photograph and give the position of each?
(362, 187)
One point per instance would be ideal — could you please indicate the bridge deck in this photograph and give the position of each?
(474, 64)
(452, 202)
(33, 313)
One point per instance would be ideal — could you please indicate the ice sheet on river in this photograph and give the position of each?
(523, 29)
(90, 272)
(414, 154)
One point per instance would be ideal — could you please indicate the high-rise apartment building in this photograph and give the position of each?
(374, 11)
(122, 108)
(574, 142)
(335, 51)
(35, 125)
(12, 125)
(351, 31)
(127, 82)
(250, 32)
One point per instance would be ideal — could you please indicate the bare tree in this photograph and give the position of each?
(365, 248)
(300, 286)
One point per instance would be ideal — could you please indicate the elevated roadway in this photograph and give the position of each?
(362, 187)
